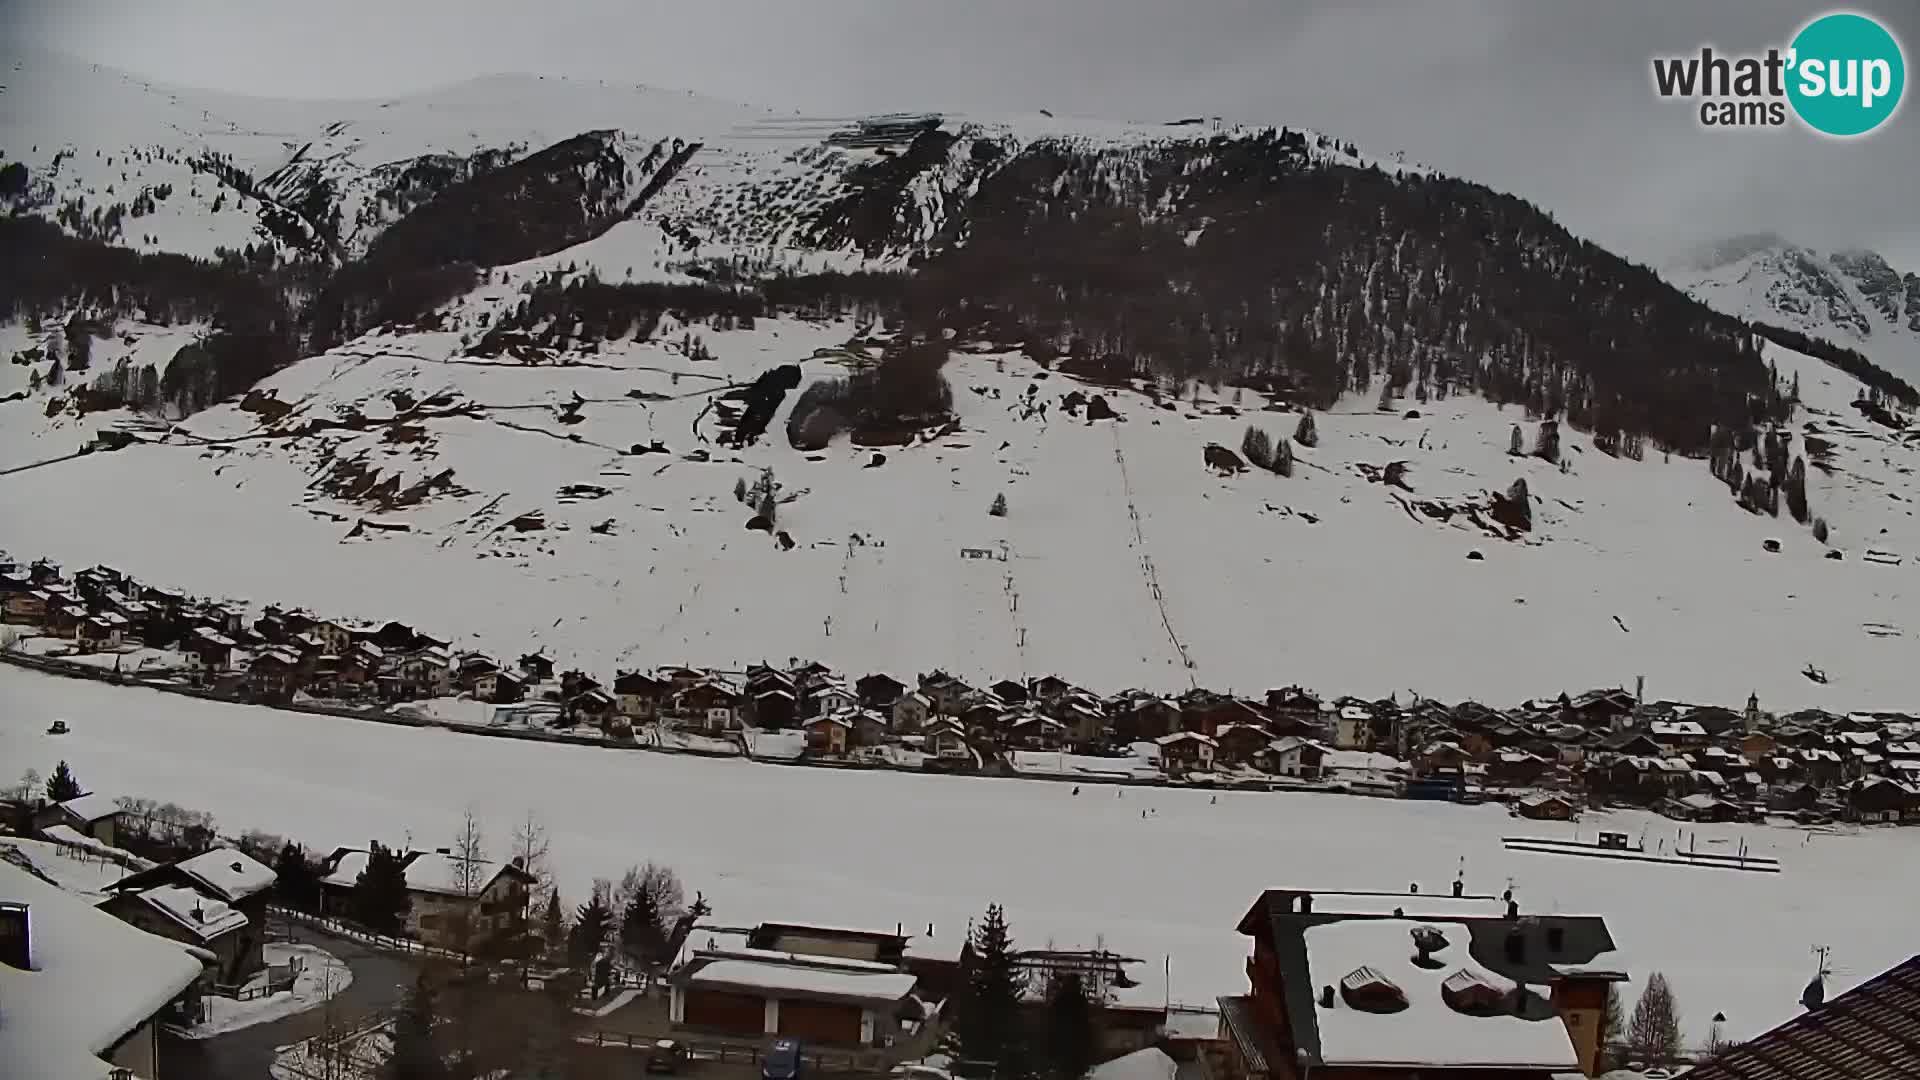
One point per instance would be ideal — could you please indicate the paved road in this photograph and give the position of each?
(379, 981)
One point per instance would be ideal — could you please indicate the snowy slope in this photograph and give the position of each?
(1126, 556)
(95, 137)
(102, 135)
(1851, 298)
(1083, 869)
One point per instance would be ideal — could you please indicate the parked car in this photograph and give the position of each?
(783, 1061)
(668, 1057)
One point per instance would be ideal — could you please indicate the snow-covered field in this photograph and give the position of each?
(879, 848)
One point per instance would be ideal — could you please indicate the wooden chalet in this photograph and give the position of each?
(879, 690)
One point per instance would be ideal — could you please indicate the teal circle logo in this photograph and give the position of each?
(1847, 74)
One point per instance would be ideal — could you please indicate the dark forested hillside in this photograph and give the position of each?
(1260, 258)
(1242, 258)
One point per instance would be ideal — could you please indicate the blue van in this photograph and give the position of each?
(783, 1061)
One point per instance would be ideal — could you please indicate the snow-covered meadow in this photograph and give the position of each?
(880, 848)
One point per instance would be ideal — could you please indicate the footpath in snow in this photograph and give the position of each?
(320, 976)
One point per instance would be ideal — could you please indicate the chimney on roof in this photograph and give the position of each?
(199, 913)
(1414, 888)
(1326, 996)
(1306, 903)
(1459, 887)
(1513, 907)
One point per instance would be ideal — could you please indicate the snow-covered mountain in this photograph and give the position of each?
(516, 328)
(1854, 299)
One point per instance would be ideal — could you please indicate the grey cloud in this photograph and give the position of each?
(1550, 100)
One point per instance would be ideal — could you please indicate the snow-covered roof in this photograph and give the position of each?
(1184, 736)
(94, 979)
(1149, 1064)
(1286, 744)
(231, 874)
(346, 873)
(823, 981)
(1428, 1031)
(213, 637)
(202, 916)
(433, 872)
(91, 807)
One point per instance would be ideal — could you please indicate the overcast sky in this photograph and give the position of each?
(1550, 99)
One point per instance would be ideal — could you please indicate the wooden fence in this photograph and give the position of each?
(848, 1063)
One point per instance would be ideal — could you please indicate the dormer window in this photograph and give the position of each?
(1367, 990)
(1474, 994)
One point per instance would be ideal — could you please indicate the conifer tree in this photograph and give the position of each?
(1547, 445)
(988, 1028)
(999, 507)
(642, 934)
(380, 899)
(553, 921)
(589, 930)
(62, 786)
(1797, 490)
(1257, 448)
(416, 1052)
(1283, 458)
(1516, 443)
(740, 490)
(1305, 433)
(296, 884)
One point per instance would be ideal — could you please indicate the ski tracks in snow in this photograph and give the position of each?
(1147, 571)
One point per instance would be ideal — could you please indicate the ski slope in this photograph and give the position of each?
(878, 848)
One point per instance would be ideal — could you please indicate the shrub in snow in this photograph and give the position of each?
(1305, 433)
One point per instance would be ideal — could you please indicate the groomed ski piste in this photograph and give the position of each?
(880, 848)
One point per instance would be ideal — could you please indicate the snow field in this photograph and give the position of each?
(879, 848)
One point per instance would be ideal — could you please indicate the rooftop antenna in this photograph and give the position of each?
(1815, 995)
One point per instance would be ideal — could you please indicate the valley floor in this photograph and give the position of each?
(878, 848)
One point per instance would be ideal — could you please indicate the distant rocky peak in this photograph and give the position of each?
(1735, 248)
